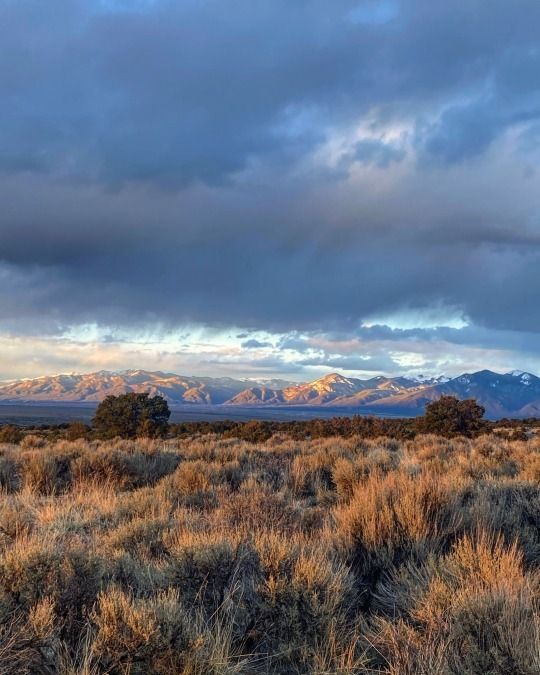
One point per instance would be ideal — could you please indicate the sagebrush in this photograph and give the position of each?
(216, 555)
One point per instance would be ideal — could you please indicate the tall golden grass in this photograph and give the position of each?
(211, 555)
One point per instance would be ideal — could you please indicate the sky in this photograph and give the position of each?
(269, 188)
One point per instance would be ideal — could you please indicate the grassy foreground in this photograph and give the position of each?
(219, 556)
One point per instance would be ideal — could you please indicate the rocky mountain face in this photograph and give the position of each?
(95, 386)
(515, 394)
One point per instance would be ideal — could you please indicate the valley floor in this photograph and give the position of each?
(214, 555)
(33, 414)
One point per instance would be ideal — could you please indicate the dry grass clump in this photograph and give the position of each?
(144, 635)
(125, 464)
(9, 471)
(46, 473)
(216, 555)
(30, 441)
(473, 611)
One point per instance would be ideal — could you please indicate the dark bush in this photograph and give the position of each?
(131, 416)
(449, 416)
(10, 434)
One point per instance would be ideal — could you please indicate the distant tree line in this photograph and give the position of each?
(446, 417)
(140, 415)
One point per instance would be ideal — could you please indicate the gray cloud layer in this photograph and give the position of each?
(271, 165)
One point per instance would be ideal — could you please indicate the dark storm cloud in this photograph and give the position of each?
(519, 341)
(181, 92)
(360, 363)
(191, 91)
(160, 162)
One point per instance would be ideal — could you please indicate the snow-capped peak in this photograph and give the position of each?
(428, 379)
(523, 376)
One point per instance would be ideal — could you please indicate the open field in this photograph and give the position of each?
(212, 555)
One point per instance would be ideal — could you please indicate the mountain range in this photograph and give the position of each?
(514, 394)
